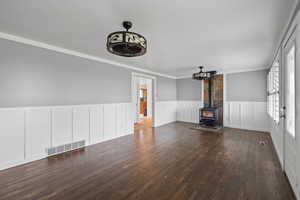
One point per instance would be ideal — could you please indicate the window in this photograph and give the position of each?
(273, 91)
(290, 90)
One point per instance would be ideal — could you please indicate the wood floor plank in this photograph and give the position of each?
(169, 162)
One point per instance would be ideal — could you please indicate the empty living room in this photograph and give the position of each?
(150, 100)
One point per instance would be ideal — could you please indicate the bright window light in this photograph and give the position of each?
(290, 91)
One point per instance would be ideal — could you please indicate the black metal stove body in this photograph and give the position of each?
(209, 117)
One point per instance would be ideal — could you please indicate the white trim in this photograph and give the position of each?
(154, 93)
(233, 71)
(184, 77)
(25, 134)
(229, 71)
(56, 106)
(224, 98)
(143, 75)
(43, 45)
(243, 102)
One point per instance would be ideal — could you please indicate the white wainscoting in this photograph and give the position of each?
(243, 115)
(277, 137)
(27, 132)
(165, 112)
(246, 115)
(188, 111)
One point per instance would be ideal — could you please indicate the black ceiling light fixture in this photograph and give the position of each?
(203, 75)
(126, 43)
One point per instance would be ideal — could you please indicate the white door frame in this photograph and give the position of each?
(154, 89)
(224, 100)
(280, 125)
(292, 39)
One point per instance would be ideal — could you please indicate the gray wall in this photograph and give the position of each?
(247, 86)
(189, 90)
(31, 76)
(166, 89)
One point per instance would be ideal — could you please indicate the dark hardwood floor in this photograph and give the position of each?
(170, 162)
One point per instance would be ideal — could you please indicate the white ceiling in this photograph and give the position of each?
(220, 34)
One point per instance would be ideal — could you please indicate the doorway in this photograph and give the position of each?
(143, 100)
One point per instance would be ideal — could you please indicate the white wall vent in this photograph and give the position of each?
(64, 148)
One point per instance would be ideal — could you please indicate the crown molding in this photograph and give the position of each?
(183, 77)
(233, 71)
(43, 45)
(230, 71)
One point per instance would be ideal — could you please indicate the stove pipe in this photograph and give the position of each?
(210, 103)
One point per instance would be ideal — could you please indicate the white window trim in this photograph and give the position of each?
(273, 92)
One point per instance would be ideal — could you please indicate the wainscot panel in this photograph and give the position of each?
(246, 115)
(27, 132)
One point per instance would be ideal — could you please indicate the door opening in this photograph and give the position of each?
(143, 99)
(143, 103)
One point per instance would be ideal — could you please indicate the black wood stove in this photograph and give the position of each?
(209, 116)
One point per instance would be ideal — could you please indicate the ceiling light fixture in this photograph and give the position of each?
(203, 75)
(125, 43)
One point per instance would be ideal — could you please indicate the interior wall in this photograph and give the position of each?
(246, 100)
(31, 76)
(189, 99)
(247, 86)
(189, 89)
(50, 99)
(166, 89)
(243, 86)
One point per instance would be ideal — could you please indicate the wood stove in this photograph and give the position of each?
(209, 115)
